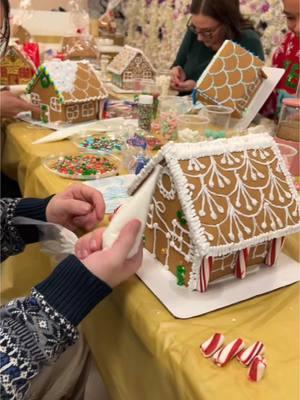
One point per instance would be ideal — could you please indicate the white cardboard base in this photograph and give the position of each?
(183, 303)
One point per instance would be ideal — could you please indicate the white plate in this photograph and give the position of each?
(184, 303)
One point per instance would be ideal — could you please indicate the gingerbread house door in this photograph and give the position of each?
(13, 79)
(44, 113)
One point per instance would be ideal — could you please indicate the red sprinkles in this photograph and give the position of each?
(83, 166)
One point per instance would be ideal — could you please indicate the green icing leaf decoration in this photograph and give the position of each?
(180, 275)
(181, 218)
(45, 81)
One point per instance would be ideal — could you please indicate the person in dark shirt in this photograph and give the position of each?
(210, 24)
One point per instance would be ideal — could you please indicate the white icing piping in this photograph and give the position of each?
(132, 53)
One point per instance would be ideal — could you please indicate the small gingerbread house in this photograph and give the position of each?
(67, 91)
(16, 67)
(129, 64)
(21, 34)
(219, 208)
(231, 79)
(80, 48)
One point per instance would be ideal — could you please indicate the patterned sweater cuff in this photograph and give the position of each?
(73, 290)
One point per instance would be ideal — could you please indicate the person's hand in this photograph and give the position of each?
(177, 76)
(186, 86)
(11, 105)
(79, 206)
(89, 243)
(111, 265)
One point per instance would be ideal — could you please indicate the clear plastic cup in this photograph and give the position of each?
(193, 122)
(288, 154)
(176, 104)
(219, 120)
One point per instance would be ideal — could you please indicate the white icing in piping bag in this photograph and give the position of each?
(136, 207)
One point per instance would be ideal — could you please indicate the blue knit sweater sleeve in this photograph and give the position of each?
(36, 329)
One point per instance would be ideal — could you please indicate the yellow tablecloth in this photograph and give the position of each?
(140, 349)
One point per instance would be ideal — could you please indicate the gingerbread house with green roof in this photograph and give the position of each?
(67, 92)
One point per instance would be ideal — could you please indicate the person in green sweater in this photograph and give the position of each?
(210, 24)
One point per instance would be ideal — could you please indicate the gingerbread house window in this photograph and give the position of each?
(88, 109)
(128, 75)
(55, 104)
(147, 74)
(72, 112)
(35, 99)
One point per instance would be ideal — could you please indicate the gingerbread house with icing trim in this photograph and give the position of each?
(80, 48)
(16, 68)
(231, 79)
(219, 208)
(131, 63)
(67, 91)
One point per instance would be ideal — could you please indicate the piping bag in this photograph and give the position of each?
(60, 241)
(137, 207)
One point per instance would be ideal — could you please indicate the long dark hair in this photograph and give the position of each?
(5, 31)
(227, 12)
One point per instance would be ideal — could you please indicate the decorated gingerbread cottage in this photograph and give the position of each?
(16, 67)
(129, 64)
(219, 208)
(67, 91)
(231, 79)
(80, 48)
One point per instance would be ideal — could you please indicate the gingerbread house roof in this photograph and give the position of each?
(15, 51)
(232, 78)
(235, 193)
(79, 47)
(74, 81)
(124, 58)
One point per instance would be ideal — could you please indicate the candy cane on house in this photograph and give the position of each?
(257, 369)
(211, 345)
(241, 264)
(204, 274)
(229, 352)
(274, 251)
(247, 356)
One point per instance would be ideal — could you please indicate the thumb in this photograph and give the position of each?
(126, 239)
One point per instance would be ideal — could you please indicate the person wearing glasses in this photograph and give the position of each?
(211, 22)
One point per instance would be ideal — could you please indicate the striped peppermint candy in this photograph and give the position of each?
(211, 345)
(257, 369)
(247, 356)
(274, 251)
(229, 352)
(204, 275)
(241, 264)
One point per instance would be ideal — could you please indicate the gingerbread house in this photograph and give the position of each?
(80, 48)
(231, 79)
(219, 208)
(16, 67)
(67, 91)
(21, 34)
(107, 25)
(129, 64)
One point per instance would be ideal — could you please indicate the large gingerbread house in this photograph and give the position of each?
(16, 67)
(231, 79)
(219, 208)
(67, 91)
(129, 64)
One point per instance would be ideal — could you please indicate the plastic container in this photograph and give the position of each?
(288, 154)
(175, 104)
(196, 123)
(288, 130)
(145, 111)
(219, 120)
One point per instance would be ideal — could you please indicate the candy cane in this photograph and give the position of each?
(247, 356)
(257, 369)
(205, 271)
(211, 345)
(241, 264)
(274, 251)
(229, 352)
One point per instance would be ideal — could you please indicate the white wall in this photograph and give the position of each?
(46, 5)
